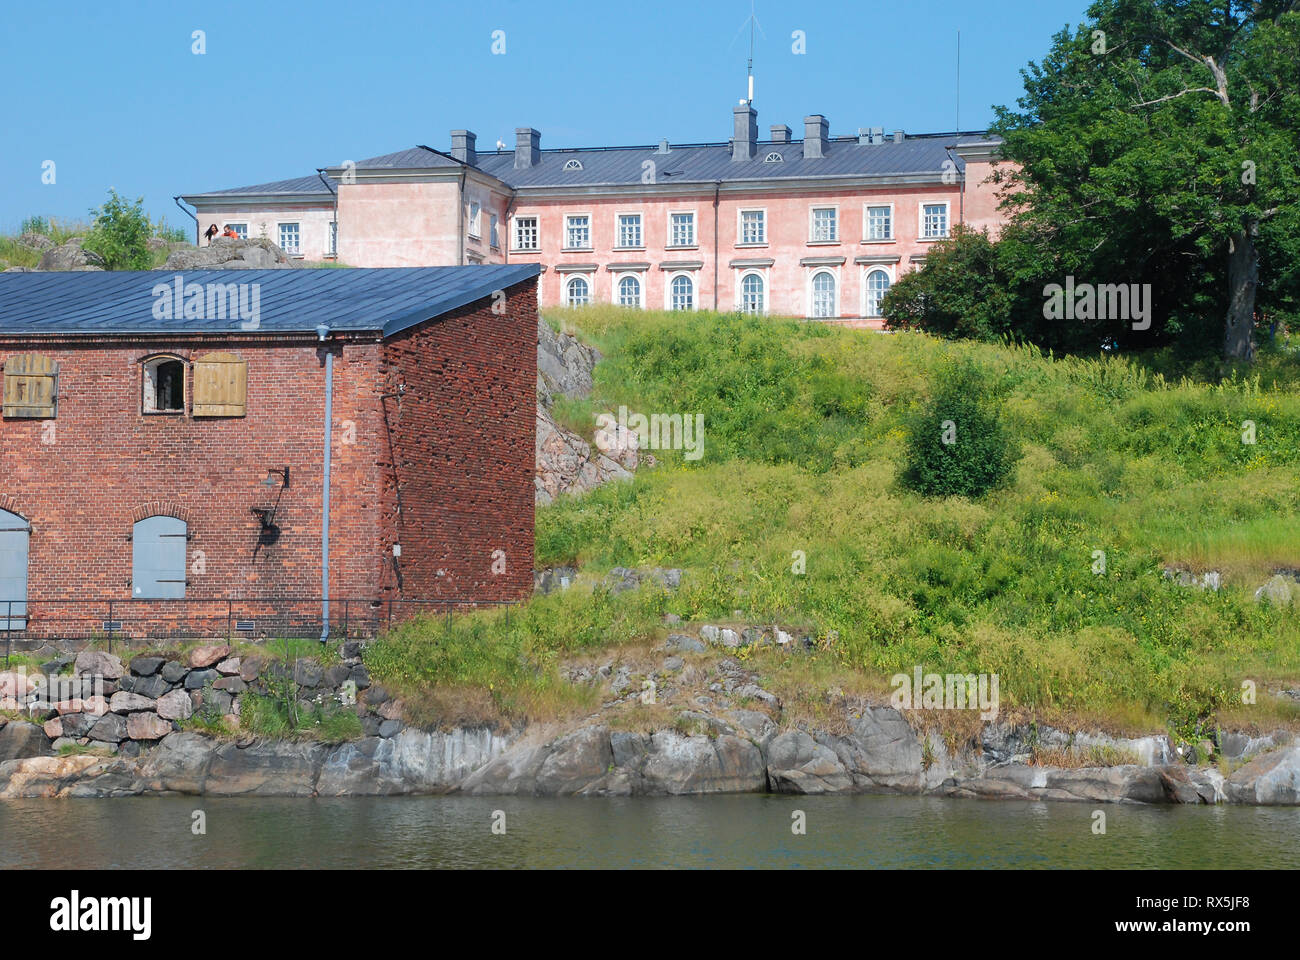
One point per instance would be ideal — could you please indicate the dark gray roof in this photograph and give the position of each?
(705, 163)
(298, 185)
(290, 301)
(416, 158)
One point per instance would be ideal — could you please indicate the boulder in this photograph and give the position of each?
(567, 464)
(146, 666)
(228, 253)
(231, 685)
(70, 256)
(152, 687)
(202, 657)
(130, 703)
(19, 740)
(229, 667)
(111, 728)
(35, 241)
(98, 663)
(250, 668)
(685, 644)
(174, 671)
(198, 679)
(16, 683)
(147, 726)
(360, 676)
(1279, 591)
(307, 673)
(175, 705)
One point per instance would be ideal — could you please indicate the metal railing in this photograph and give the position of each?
(228, 618)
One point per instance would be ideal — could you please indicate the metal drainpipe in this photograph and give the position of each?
(323, 332)
(197, 238)
(320, 172)
(510, 207)
(460, 233)
(717, 185)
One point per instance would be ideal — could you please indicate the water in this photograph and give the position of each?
(719, 831)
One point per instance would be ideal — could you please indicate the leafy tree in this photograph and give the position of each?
(1160, 143)
(956, 445)
(120, 233)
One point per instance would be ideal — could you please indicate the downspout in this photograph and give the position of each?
(961, 194)
(320, 173)
(510, 208)
(460, 232)
(717, 185)
(192, 217)
(322, 332)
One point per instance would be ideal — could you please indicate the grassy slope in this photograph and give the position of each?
(803, 446)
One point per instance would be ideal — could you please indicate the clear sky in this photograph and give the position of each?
(114, 94)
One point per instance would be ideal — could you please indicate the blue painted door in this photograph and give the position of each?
(158, 559)
(14, 537)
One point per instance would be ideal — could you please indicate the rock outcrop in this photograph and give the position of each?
(70, 256)
(227, 253)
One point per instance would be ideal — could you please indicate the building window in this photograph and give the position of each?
(681, 232)
(492, 232)
(475, 220)
(629, 292)
(525, 233)
(877, 287)
(751, 293)
(825, 225)
(158, 563)
(31, 387)
(332, 245)
(753, 226)
(290, 239)
(774, 158)
(577, 292)
(823, 295)
(164, 385)
(573, 165)
(240, 229)
(629, 230)
(880, 223)
(577, 232)
(934, 220)
(682, 293)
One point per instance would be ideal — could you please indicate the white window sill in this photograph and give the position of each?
(577, 250)
(823, 243)
(628, 249)
(869, 242)
(753, 246)
(932, 239)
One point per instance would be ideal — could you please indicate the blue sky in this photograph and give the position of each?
(114, 95)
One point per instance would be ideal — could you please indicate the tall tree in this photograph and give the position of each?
(1161, 139)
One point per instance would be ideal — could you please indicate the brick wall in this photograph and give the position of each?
(463, 439)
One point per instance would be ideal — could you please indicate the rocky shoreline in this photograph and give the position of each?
(744, 752)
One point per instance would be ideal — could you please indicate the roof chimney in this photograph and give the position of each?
(746, 136)
(780, 133)
(663, 146)
(527, 152)
(462, 147)
(816, 137)
(899, 136)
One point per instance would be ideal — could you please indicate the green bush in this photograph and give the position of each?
(956, 445)
(120, 234)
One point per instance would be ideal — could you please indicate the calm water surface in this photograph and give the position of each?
(719, 831)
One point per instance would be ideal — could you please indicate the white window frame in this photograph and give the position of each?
(537, 233)
(618, 230)
(332, 238)
(617, 295)
(866, 223)
(812, 223)
(867, 271)
(762, 278)
(239, 226)
(474, 220)
(740, 227)
(920, 219)
(813, 274)
(695, 230)
(149, 385)
(587, 278)
(591, 226)
(493, 225)
(279, 235)
(695, 288)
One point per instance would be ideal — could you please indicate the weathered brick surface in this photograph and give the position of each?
(458, 446)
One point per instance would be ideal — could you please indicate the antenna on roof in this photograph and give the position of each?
(958, 127)
(752, 22)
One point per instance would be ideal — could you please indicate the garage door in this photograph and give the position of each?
(158, 559)
(14, 537)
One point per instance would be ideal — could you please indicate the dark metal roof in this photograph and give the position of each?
(298, 185)
(416, 158)
(706, 163)
(290, 301)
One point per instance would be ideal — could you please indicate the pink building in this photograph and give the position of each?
(817, 227)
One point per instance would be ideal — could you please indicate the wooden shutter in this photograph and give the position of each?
(31, 386)
(220, 385)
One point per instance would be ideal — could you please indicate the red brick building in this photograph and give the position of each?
(164, 439)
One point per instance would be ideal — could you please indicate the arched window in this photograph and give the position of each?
(629, 292)
(773, 158)
(682, 293)
(158, 558)
(877, 287)
(578, 292)
(573, 165)
(164, 385)
(823, 295)
(751, 293)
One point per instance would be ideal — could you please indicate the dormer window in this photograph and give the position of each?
(774, 158)
(164, 385)
(573, 165)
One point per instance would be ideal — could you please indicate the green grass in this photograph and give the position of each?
(805, 431)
